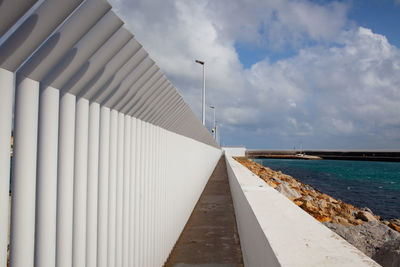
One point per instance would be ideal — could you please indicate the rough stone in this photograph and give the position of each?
(308, 198)
(341, 221)
(322, 204)
(367, 209)
(366, 216)
(288, 192)
(394, 226)
(389, 254)
(368, 238)
(309, 207)
(395, 221)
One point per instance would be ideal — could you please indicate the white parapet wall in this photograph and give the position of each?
(273, 231)
(235, 151)
(189, 166)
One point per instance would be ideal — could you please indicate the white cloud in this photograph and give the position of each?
(342, 127)
(345, 84)
(353, 89)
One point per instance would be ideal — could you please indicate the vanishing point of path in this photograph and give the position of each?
(210, 237)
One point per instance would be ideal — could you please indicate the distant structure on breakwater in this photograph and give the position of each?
(327, 154)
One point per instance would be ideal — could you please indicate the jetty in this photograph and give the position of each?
(111, 167)
(281, 156)
(393, 156)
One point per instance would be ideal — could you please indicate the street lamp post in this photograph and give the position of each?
(204, 92)
(215, 125)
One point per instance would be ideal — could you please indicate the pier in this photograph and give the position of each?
(111, 167)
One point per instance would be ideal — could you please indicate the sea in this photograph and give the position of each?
(371, 184)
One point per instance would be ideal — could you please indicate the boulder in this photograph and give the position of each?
(309, 207)
(322, 218)
(288, 192)
(341, 220)
(298, 201)
(322, 204)
(395, 221)
(367, 209)
(394, 226)
(271, 183)
(368, 237)
(308, 198)
(389, 254)
(366, 216)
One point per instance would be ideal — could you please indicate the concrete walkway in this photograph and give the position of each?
(210, 237)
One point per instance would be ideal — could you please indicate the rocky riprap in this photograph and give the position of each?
(379, 239)
(375, 239)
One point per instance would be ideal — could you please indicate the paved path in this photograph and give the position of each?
(210, 237)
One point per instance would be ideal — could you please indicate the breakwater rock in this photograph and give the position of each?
(378, 239)
(375, 239)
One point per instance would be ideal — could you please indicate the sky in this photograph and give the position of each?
(281, 73)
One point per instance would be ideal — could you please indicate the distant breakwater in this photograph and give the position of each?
(389, 156)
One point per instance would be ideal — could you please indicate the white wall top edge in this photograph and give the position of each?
(235, 151)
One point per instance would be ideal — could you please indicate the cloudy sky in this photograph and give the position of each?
(281, 73)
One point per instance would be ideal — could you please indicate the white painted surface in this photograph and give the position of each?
(80, 183)
(110, 162)
(24, 173)
(65, 180)
(126, 181)
(189, 163)
(92, 185)
(33, 31)
(131, 246)
(10, 12)
(235, 151)
(120, 188)
(273, 231)
(46, 183)
(102, 206)
(112, 189)
(63, 39)
(6, 103)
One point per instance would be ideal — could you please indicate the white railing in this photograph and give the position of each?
(108, 160)
(274, 231)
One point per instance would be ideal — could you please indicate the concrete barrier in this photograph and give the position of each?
(273, 231)
(237, 151)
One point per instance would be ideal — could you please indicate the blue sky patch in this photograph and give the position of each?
(250, 54)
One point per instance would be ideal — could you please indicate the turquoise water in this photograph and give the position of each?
(362, 183)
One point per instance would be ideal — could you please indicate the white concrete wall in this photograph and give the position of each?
(189, 166)
(273, 231)
(109, 160)
(235, 151)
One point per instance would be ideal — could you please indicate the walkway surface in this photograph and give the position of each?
(210, 237)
